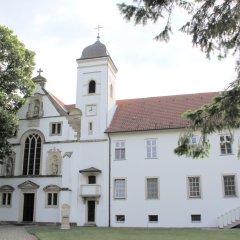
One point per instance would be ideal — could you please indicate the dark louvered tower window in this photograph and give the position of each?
(92, 87)
(32, 155)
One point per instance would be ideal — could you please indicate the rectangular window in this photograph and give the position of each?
(6, 199)
(151, 145)
(119, 188)
(229, 186)
(225, 144)
(56, 128)
(196, 217)
(90, 128)
(153, 218)
(91, 179)
(194, 140)
(194, 190)
(52, 199)
(120, 150)
(120, 218)
(152, 188)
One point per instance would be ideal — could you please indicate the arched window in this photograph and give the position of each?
(92, 87)
(32, 154)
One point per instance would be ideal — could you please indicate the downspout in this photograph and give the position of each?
(109, 180)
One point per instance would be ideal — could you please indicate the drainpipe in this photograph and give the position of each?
(109, 181)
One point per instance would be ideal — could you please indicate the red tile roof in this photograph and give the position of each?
(69, 107)
(156, 112)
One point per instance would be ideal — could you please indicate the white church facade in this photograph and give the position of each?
(112, 162)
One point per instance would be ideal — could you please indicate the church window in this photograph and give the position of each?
(32, 154)
(120, 188)
(52, 195)
(195, 218)
(52, 199)
(153, 218)
(56, 128)
(92, 87)
(120, 218)
(229, 186)
(151, 148)
(194, 190)
(90, 128)
(120, 150)
(6, 199)
(6, 195)
(152, 188)
(225, 144)
(91, 179)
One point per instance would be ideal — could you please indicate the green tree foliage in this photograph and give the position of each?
(214, 26)
(16, 66)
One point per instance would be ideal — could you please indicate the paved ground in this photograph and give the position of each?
(12, 232)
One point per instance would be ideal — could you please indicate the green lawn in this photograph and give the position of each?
(88, 233)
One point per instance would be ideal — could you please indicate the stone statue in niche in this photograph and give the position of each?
(35, 107)
(54, 161)
(55, 165)
(8, 166)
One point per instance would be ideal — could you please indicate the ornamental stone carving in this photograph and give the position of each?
(35, 107)
(9, 165)
(54, 162)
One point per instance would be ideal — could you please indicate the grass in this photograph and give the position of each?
(88, 233)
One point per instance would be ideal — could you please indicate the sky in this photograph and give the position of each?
(58, 30)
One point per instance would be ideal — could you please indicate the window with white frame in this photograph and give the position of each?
(52, 199)
(32, 154)
(6, 195)
(194, 190)
(56, 128)
(225, 144)
(120, 218)
(120, 188)
(229, 186)
(120, 150)
(51, 195)
(194, 140)
(152, 188)
(6, 199)
(151, 148)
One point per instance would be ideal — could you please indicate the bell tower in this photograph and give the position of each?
(96, 74)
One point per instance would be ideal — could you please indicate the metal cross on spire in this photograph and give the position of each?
(98, 28)
(40, 71)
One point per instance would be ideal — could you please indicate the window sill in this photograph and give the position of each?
(152, 158)
(122, 159)
(50, 206)
(226, 154)
(5, 206)
(230, 197)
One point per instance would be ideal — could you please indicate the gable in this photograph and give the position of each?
(42, 104)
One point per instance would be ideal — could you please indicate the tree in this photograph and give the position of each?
(214, 26)
(16, 66)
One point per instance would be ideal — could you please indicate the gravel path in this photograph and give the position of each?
(11, 232)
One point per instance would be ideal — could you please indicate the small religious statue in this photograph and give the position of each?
(36, 111)
(55, 166)
(9, 167)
